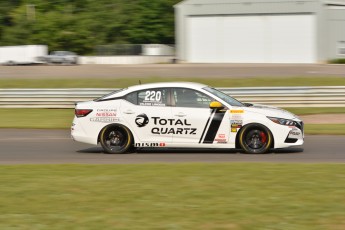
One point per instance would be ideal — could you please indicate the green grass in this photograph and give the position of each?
(334, 129)
(62, 119)
(237, 196)
(36, 118)
(322, 110)
(216, 82)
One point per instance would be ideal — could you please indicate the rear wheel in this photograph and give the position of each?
(255, 138)
(116, 139)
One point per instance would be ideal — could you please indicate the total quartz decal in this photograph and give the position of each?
(168, 126)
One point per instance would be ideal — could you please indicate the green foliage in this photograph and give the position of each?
(337, 61)
(80, 25)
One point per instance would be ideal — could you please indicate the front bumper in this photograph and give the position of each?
(287, 136)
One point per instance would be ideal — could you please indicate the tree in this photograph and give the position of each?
(80, 25)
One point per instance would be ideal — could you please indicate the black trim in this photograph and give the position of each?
(214, 126)
(208, 121)
(169, 97)
(291, 140)
(300, 125)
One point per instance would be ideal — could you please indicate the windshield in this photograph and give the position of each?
(230, 100)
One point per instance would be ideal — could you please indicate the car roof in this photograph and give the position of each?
(192, 85)
(120, 93)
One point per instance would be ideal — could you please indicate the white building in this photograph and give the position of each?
(260, 31)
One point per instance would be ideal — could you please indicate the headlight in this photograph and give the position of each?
(282, 121)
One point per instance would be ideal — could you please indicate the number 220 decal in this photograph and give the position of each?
(153, 96)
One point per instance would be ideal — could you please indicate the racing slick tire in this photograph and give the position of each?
(255, 138)
(116, 138)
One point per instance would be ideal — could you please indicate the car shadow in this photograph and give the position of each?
(286, 151)
(91, 150)
(94, 150)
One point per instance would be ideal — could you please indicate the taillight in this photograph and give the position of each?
(82, 112)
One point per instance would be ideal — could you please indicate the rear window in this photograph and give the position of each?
(109, 95)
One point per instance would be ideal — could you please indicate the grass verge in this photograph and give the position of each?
(322, 110)
(36, 118)
(62, 119)
(216, 82)
(326, 129)
(173, 196)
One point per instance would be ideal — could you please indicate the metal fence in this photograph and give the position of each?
(331, 96)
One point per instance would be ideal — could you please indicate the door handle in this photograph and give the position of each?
(128, 112)
(180, 115)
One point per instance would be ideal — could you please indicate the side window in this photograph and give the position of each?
(191, 98)
(153, 97)
(132, 98)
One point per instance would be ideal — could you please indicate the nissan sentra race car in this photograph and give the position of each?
(182, 115)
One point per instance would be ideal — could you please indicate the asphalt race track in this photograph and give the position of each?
(23, 146)
(26, 146)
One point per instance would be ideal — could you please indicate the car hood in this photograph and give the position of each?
(271, 111)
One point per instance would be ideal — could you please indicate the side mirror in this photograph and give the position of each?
(216, 105)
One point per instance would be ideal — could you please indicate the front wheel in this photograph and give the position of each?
(116, 139)
(255, 138)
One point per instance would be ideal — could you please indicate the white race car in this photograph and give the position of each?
(182, 115)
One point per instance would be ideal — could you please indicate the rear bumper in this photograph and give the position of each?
(78, 134)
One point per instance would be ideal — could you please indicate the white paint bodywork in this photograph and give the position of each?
(187, 124)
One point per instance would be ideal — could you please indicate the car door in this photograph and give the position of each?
(147, 114)
(198, 124)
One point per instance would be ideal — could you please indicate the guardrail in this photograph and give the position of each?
(330, 96)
